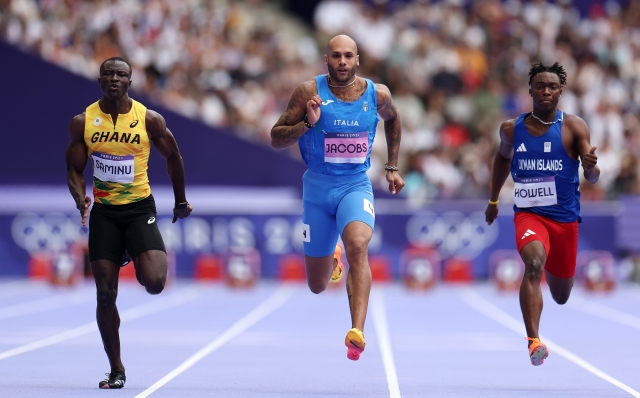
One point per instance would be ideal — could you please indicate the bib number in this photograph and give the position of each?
(346, 147)
(535, 192)
(113, 168)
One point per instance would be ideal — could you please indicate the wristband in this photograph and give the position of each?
(491, 202)
(390, 168)
(306, 122)
(182, 205)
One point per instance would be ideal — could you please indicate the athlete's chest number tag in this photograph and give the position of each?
(346, 147)
(113, 168)
(535, 191)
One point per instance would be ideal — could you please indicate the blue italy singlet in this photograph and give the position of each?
(546, 178)
(340, 143)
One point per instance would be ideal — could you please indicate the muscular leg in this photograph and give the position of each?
(319, 271)
(152, 270)
(356, 237)
(534, 256)
(106, 273)
(560, 288)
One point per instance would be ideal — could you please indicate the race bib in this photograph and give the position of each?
(113, 168)
(346, 147)
(535, 192)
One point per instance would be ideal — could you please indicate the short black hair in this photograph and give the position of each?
(115, 59)
(555, 68)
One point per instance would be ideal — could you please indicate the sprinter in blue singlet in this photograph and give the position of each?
(542, 150)
(333, 119)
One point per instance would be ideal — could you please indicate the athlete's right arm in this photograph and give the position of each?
(76, 157)
(501, 168)
(290, 127)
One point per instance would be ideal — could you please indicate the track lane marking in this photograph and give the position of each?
(382, 331)
(477, 302)
(176, 299)
(275, 301)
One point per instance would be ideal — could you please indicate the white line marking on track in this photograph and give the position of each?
(602, 311)
(382, 331)
(178, 298)
(48, 303)
(277, 299)
(474, 300)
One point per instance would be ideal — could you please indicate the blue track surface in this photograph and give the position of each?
(283, 341)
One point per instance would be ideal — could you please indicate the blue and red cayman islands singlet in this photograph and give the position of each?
(340, 143)
(546, 178)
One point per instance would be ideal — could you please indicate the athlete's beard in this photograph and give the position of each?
(334, 77)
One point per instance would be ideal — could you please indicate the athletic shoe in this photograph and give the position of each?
(538, 351)
(338, 270)
(113, 380)
(355, 344)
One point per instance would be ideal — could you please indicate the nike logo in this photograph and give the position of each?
(327, 102)
(151, 220)
(134, 124)
(304, 233)
(354, 344)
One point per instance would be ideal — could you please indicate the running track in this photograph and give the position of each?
(197, 340)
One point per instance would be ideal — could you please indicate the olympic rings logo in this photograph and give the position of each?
(50, 232)
(452, 233)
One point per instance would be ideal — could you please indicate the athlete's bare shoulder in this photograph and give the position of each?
(155, 123)
(386, 108)
(576, 123)
(304, 92)
(506, 130)
(76, 127)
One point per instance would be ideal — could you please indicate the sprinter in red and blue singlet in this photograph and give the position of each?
(542, 150)
(333, 119)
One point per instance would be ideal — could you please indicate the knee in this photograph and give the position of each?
(317, 287)
(155, 286)
(106, 298)
(356, 246)
(560, 297)
(533, 269)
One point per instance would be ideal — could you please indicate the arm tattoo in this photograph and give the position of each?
(392, 125)
(289, 128)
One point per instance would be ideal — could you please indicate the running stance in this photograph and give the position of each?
(116, 133)
(542, 150)
(333, 119)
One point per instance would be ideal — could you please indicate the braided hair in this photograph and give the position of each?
(555, 68)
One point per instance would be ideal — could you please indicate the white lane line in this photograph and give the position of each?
(277, 299)
(178, 298)
(477, 302)
(382, 331)
(602, 311)
(48, 303)
(18, 287)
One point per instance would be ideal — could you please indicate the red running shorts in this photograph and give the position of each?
(560, 241)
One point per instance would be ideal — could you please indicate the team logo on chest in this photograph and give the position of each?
(97, 121)
(365, 106)
(547, 147)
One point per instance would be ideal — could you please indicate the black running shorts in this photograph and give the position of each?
(114, 228)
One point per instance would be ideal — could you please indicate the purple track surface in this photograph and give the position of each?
(283, 341)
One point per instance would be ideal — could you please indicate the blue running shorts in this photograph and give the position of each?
(330, 203)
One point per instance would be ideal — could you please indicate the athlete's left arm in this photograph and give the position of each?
(393, 132)
(167, 146)
(586, 152)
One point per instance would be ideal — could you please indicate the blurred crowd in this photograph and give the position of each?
(456, 70)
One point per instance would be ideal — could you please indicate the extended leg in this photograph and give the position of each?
(356, 237)
(534, 257)
(106, 273)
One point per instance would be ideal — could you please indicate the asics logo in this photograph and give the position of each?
(327, 102)
(134, 124)
(151, 220)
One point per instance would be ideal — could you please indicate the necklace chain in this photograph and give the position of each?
(346, 85)
(543, 122)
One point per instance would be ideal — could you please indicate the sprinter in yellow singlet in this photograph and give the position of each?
(116, 133)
